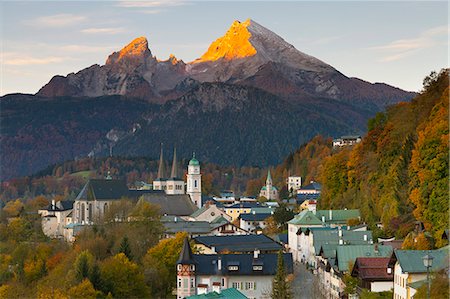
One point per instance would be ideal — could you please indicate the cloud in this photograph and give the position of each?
(86, 48)
(18, 61)
(103, 30)
(60, 20)
(151, 11)
(401, 48)
(150, 4)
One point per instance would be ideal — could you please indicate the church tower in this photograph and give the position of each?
(186, 284)
(269, 186)
(175, 185)
(194, 182)
(160, 182)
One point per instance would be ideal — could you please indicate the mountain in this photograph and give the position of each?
(248, 54)
(250, 99)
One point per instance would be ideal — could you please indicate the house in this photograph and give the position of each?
(374, 273)
(269, 191)
(173, 205)
(230, 293)
(54, 217)
(209, 212)
(294, 183)
(236, 209)
(251, 274)
(346, 141)
(254, 222)
(311, 188)
(219, 226)
(236, 244)
(410, 272)
(338, 217)
(347, 254)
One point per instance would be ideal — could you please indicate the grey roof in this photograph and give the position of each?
(191, 227)
(185, 254)
(62, 205)
(239, 243)
(255, 217)
(178, 205)
(245, 205)
(312, 186)
(103, 189)
(207, 264)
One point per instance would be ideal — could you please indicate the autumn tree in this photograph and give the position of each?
(122, 278)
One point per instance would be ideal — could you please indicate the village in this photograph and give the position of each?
(234, 258)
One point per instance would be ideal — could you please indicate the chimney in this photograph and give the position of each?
(365, 237)
(175, 219)
(254, 212)
(219, 264)
(331, 214)
(341, 242)
(256, 254)
(213, 249)
(340, 232)
(389, 270)
(53, 204)
(323, 219)
(376, 248)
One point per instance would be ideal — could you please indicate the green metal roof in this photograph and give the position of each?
(338, 216)
(417, 284)
(194, 162)
(306, 217)
(411, 260)
(349, 253)
(199, 212)
(230, 293)
(331, 237)
(265, 188)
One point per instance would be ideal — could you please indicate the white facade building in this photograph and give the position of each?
(194, 182)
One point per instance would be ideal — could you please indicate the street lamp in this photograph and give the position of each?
(428, 262)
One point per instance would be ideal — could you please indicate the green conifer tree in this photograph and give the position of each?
(281, 289)
(125, 248)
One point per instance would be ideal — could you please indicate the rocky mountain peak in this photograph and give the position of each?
(234, 44)
(136, 50)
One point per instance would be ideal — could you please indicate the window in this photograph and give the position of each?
(192, 267)
(179, 282)
(192, 282)
(236, 285)
(223, 282)
(257, 268)
(249, 285)
(233, 268)
(195, 183)
(179, 267)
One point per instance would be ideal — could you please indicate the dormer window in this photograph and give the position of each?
(179, 267)
(192, 267)
(233, 268)
(257, 268)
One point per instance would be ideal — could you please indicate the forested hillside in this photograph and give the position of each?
(399, 172)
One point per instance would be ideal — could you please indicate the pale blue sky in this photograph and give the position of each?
(398, 43)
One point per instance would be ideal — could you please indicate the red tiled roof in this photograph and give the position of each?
(372, 268)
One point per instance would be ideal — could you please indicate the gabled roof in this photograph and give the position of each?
(331, 237)
(264, 210)
(230, 293)
(306, 217)
(191, 227)
(373, 268)
(178, 205)
(207, 264)
(255, 217)
(60, 206)
(349, 253)
(103, 189)
(312, 186)
(239, 243)
(244, 205)
(338, 216)
(301, 197)
(411, 260)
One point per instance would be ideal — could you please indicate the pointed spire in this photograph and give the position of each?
(269, 177)
(186, 254)
(174, 173)
(161, 164)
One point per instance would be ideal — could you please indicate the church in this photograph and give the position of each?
(174, 185)
(269, 191)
